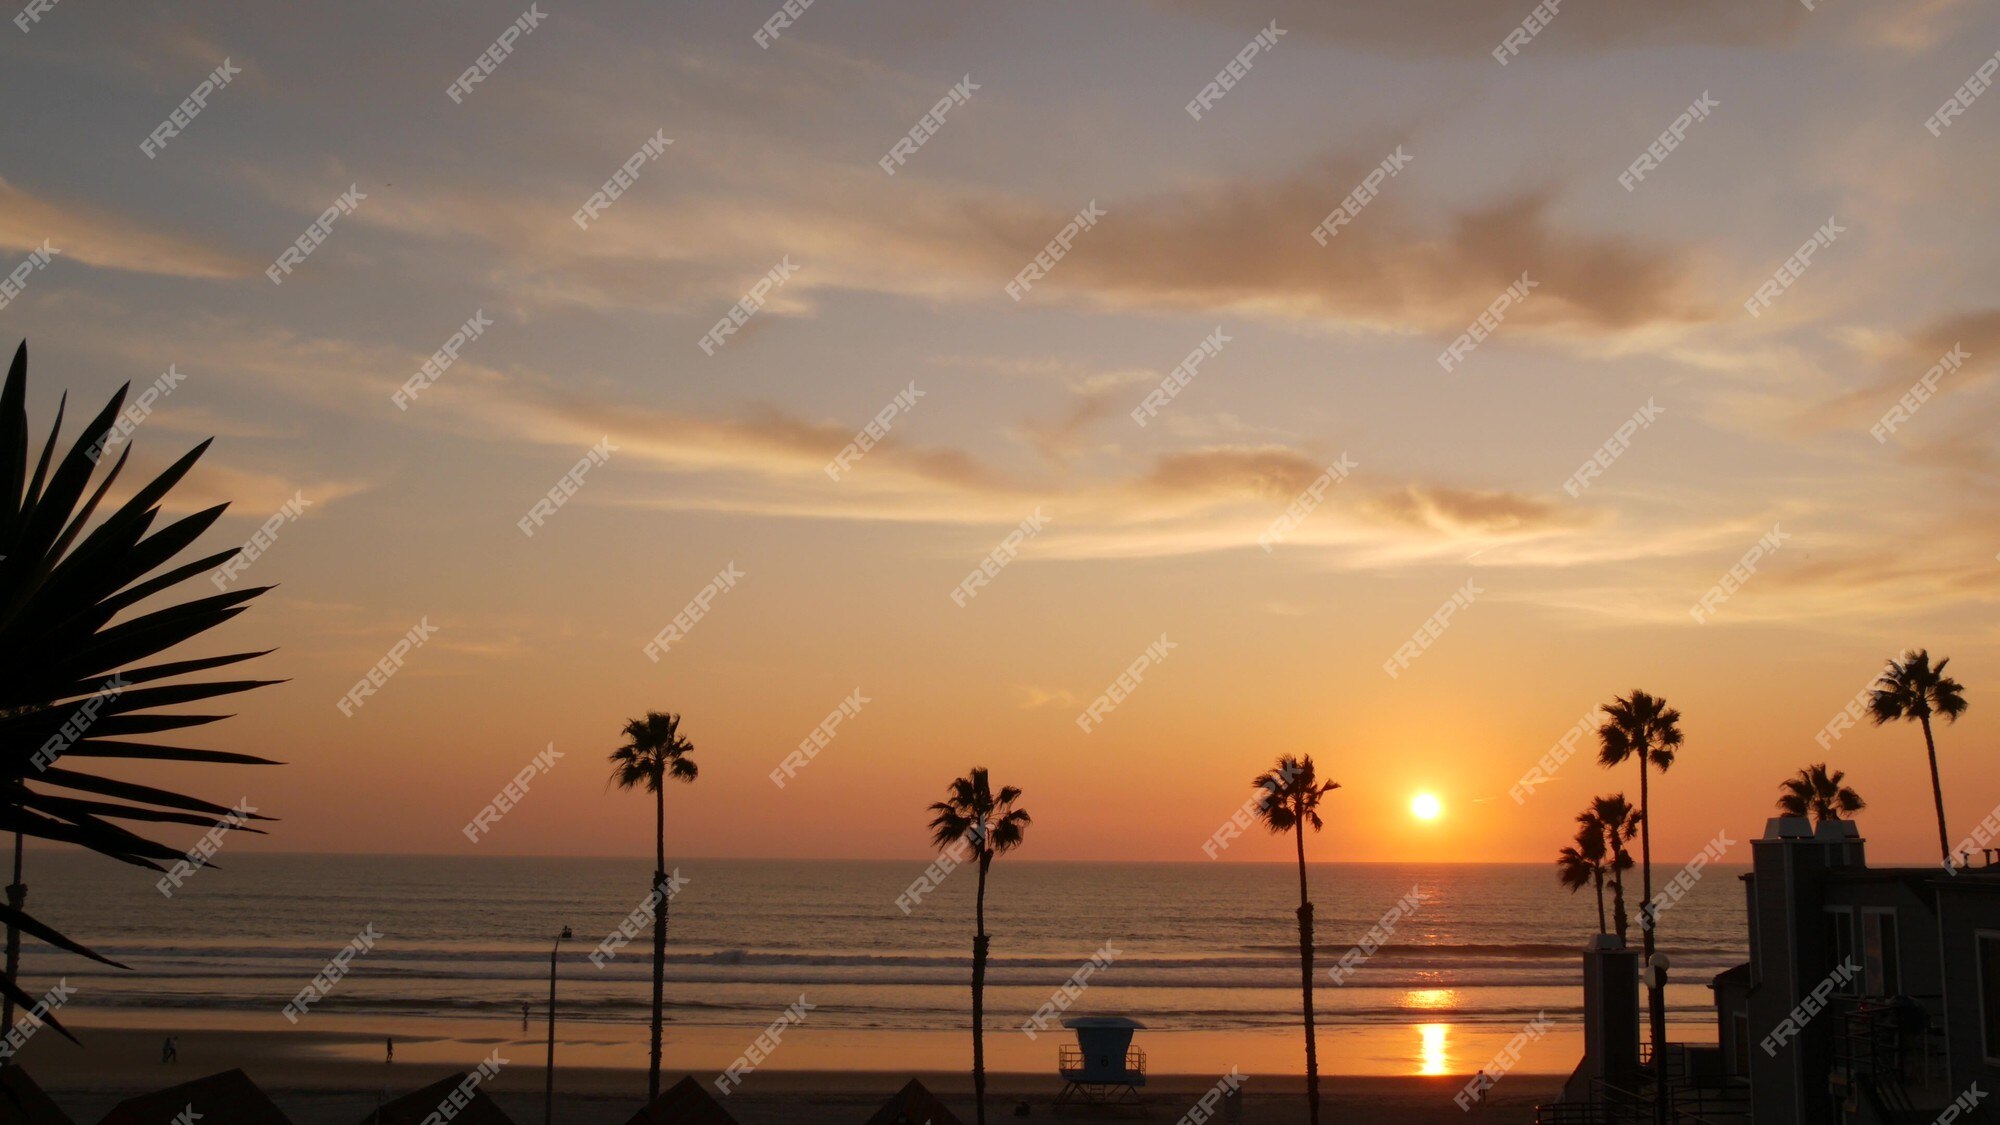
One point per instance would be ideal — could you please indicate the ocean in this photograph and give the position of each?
(1181, 946)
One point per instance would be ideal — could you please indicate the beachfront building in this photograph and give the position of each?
(1872, 995)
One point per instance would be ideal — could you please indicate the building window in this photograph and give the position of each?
(1989, 993)
(1841, 920)
(1878, 937)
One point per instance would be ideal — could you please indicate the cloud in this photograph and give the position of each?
(100, 238)
(1475, 27)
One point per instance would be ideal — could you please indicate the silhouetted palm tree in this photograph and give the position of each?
(1641, 726)
(61, 587)
(1816, 793)
(989, 824)
(1582, 863)
(1615, 819)
(1911, 689)
(1290, 803)
(654, 750)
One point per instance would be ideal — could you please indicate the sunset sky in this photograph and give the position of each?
(1026, 405)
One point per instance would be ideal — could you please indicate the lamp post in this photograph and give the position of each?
(1655, 978)
(549, 1083)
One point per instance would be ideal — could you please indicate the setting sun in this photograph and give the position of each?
(1425, 806)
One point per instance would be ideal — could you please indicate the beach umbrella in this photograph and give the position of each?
(914, 1105)
(684, 1103)
(437, 1098)
(23, 1103)
(227, 1097)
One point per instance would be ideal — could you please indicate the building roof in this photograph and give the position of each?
(227, 1097)
(685, 1103)
(413, 1108)
(914, 1105)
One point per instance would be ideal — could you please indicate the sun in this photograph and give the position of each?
(1426, 806)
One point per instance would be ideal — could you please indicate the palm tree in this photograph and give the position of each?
(1617, 822)
(973, 815)
(1582, 863)
(1290, 803)
(1816, 793)
(1644, 727)
(1911, 689)
(72, 632)
(654, 751)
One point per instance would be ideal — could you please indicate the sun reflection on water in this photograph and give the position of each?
(1431, 1049)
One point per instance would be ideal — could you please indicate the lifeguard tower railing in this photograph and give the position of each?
(1074, 1066)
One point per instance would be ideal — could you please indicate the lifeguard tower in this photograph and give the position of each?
(1103, 1067)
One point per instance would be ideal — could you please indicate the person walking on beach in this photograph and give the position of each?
(524, 1017)
(389, 1041)
(170, 1051)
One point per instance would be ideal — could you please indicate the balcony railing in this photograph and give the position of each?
(1074, 1064)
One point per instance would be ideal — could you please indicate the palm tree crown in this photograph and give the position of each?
(1639, 724)
(654, 749)
(1911, 689)
(1816, 793)
(1291, 794)
(973, 813)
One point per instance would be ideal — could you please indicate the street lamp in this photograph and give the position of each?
(1655, 977)
(549, 1086)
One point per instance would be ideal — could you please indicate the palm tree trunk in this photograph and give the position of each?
(659, 940)
(1598, 874)
(979, 948)
(1306, 984)
(17, 897)
(1937, 791)
(1618, 915)
(1645, 859)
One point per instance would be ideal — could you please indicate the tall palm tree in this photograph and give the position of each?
(1617, 823)
(1911, 689)
(1289, 802)
(1816, 793)
(1582, 863)
(654, 750)
(72, 581)
(1641, 726)
(989, 823)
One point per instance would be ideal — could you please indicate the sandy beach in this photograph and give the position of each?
(320, 1077)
